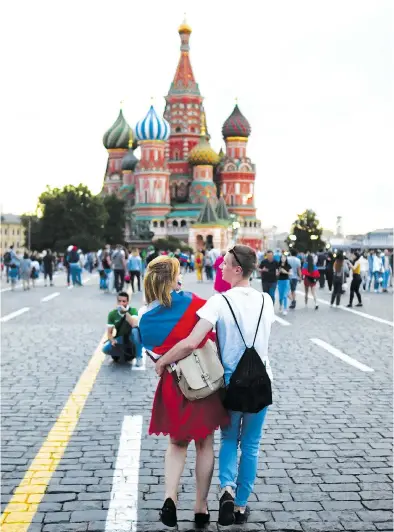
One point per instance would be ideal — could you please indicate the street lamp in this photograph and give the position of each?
(314, 237)
(293, 238)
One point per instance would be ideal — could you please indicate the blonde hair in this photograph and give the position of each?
(159, 279)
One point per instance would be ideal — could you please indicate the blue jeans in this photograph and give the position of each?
(270, 288)
(376, 277)
(75, 273)
(134, 337)
(386, 277)
(283, 289)
(246, 429)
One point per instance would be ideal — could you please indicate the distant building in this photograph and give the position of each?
(379, 239)
(11, 233)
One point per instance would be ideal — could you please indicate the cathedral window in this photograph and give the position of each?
(155, 224)
(183, 223)
(162, 224)
(232, 200)
(175, 223)
(178, 130)
(146, 196)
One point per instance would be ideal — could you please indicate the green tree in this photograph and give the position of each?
(115, 225)
(171, 244)
(306, 232)
(71, 215)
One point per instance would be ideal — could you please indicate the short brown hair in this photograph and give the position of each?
(159, 279)
(246, 257)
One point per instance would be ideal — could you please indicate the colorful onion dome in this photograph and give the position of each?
(184, 27)
(125, 190)
(129, 161)
(202, 153)
(117, 137)
(236, 125)
(152, 127)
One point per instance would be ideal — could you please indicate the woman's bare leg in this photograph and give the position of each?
(205, 460)
(306, 294)
(313, 290)
(174, 465)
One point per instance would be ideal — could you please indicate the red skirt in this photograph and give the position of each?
(309, 282)
(182, 419)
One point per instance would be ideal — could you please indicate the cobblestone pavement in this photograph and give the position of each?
(326, 455)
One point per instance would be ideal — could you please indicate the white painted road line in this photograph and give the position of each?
(51, 296)
(281, 321)
(5, 290)
(357, 312)
(123, 507)
(9, 317)
(337, 353)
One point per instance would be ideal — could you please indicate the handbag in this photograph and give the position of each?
(200, 374)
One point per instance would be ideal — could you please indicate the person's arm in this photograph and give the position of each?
(110, 330)
(184, 347)
(132, 319)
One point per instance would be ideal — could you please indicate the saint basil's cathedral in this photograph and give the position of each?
(180, 186)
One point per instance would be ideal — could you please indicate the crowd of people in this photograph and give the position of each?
(283, 271)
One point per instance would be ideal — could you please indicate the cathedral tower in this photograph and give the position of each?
(116, 141)
(183, 112)
(152, 193)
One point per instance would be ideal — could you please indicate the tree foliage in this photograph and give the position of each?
(71, 215)
(307, 231)
(114, 227)
(171, 244)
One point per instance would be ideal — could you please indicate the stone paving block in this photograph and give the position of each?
(387, 526)
(345, 495)
(375, 516)
(58, 517)
(296, 516)
(275, 526)
(66, 527)
(379, 494)
(88, 515)
(302, 506)
(382, 504)
(318, 526)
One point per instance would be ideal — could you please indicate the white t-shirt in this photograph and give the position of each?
(246, 303)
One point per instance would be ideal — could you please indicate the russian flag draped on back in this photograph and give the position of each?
(163, 327)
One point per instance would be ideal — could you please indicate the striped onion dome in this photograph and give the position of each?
(236, 125)
(118, 134)
(152, 127)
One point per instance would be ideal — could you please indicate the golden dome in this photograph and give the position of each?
(184, 27)
(202, 153)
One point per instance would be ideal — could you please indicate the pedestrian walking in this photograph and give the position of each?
(48, 267)
(243, 318)
(387, 271)
(283, 283)
(330, 269)
(35, 270)
(166, 320)
(269, 269)
(364, 267)
(134, 267)
(311, 275)
(340, 269)
(321, 266)
(208, 266)
(356, 280)
(13, 274)
(295, 275)
(119, 267)
(199, 264)
(25, 271)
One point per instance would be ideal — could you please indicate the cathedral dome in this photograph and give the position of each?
(236, 125)
(129, 161)
(117, 137)
(152, 127)
(202, 153)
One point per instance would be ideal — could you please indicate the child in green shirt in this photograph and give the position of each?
(123, 320)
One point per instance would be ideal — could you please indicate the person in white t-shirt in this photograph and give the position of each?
(246, 302)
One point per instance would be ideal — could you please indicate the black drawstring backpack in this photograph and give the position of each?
(249, 389)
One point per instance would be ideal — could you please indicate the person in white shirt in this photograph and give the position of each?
(364, 266)
(247, 303)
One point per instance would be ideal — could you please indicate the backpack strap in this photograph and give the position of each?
(258, 323)
(235, 319)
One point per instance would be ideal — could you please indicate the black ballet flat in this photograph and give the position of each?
(168, 513)
(201, 520)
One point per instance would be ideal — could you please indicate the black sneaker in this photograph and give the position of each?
(242, 518)
(359, 305)
(226, 509)
(168, 513)
(201, 520)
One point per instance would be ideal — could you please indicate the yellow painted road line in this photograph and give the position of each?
(21, 509)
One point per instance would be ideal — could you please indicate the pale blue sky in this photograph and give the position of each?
(315, 80)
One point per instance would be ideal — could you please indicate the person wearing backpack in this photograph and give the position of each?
(243, 318)
(339, 270)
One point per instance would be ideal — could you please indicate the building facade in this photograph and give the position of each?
(179, 172)
(11, 233)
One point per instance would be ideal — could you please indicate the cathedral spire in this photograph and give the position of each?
(184, 81)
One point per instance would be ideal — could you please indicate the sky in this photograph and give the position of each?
(314, 79)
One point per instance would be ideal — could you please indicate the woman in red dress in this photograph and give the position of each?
(168, 318)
